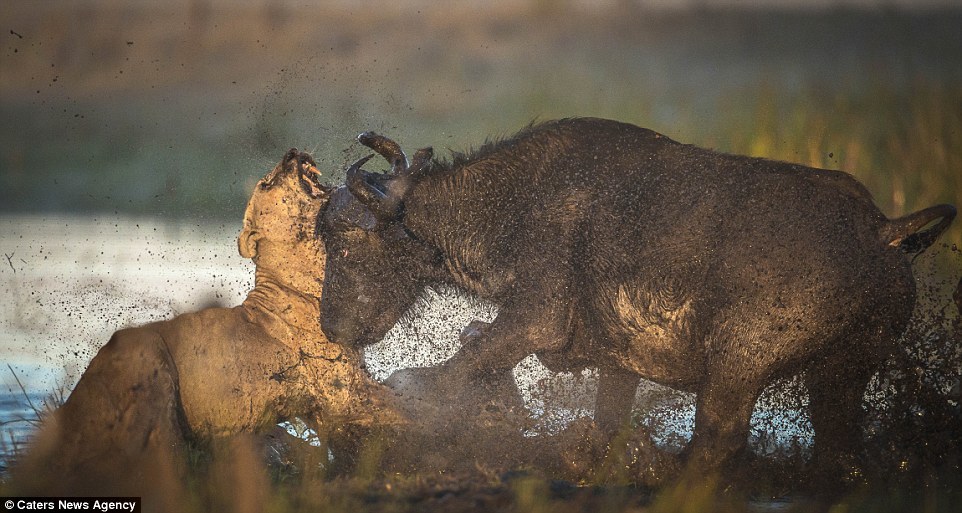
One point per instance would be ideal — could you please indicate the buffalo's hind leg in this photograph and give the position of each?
(836, 390)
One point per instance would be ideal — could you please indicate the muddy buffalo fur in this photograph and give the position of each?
(215, 373)
(613, 246)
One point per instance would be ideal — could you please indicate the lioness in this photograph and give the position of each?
(216, 372)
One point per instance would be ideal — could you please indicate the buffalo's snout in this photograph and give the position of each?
(343, 331)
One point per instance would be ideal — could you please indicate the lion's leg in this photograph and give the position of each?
(122, 428)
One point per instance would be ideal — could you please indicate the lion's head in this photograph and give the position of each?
(278, 232)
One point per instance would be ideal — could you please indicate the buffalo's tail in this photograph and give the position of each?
(904, 232)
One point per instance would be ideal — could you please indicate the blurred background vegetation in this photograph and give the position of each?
(174, 109)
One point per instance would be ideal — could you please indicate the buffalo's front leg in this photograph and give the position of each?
(515, 333)
(538, 315)
(496, 383)
(616, 396)
(472, 334)
(479, 376)
(616, 385)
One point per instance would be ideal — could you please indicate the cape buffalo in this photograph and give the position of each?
(613, 246)
(217, 372)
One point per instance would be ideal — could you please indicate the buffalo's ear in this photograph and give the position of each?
(247, 242)
(420, 163)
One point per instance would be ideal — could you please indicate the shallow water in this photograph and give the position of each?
(72, 281)
(17, 422)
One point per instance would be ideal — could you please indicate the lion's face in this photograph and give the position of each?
(279, 224)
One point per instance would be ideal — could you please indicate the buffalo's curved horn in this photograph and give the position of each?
(387, 148)
(358, 184)
(369, 191)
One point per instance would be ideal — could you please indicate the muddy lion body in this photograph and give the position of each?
(214, 373)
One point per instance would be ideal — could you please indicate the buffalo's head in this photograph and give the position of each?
(375, 266)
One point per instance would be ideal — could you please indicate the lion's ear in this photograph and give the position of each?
(247, 242)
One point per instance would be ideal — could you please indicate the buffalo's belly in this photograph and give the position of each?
(649, 333)
(572, 358)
